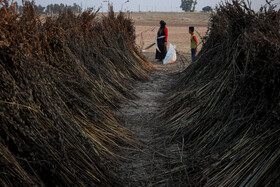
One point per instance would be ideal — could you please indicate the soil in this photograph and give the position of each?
(144, 164)
(138, 115)
(147, 25)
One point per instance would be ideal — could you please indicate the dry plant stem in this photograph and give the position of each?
(61, 80)
(225, 109)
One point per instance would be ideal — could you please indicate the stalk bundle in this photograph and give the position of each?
(59, 82)
(225, 113)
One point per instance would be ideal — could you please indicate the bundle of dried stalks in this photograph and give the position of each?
(59, 83)
(223, 119)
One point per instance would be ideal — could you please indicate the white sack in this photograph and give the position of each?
(171, 55)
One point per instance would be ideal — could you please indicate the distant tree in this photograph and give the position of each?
(20, 9)
(56, 8)
(76, 8)
(62, 6)
(16, 7)
(49, 9)
(207, 9)
(40, 9)
(80, 9)
(194, 4)
(188, 5)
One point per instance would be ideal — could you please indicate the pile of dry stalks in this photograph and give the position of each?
(223, 119)
(60, 79)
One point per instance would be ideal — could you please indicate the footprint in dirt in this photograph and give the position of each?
(138, 115)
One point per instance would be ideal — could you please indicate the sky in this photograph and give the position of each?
(145, 5)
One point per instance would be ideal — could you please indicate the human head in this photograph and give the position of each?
(191, 30)
(162, 23)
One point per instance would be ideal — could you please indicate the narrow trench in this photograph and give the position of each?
(138, 116)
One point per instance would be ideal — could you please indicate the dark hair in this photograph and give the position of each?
(162, 23)
(191, 29)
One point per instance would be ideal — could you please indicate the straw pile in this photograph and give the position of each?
(60, 80)
(223, 119)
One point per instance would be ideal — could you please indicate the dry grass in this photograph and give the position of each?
(60, 80)
(222, 120)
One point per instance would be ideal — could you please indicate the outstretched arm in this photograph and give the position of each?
(166, 36)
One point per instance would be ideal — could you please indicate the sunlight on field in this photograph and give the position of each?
(177, 23)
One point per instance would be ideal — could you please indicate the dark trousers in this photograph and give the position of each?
(161, 55)
(193, 54)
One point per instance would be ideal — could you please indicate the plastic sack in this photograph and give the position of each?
(171, 55)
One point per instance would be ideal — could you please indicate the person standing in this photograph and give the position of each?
(193, 43)
(162, 37)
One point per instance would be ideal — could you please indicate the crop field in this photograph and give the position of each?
(84, 103)
(177, 23)
(147, 24)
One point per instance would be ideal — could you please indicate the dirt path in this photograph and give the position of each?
(137, 116)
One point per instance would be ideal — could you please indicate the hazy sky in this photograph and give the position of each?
(145, 5)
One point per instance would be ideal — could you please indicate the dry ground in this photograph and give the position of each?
(141, 169)
(147, 25)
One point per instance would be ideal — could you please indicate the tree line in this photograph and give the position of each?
(189, 6)
(54, 8)
(186, 5)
